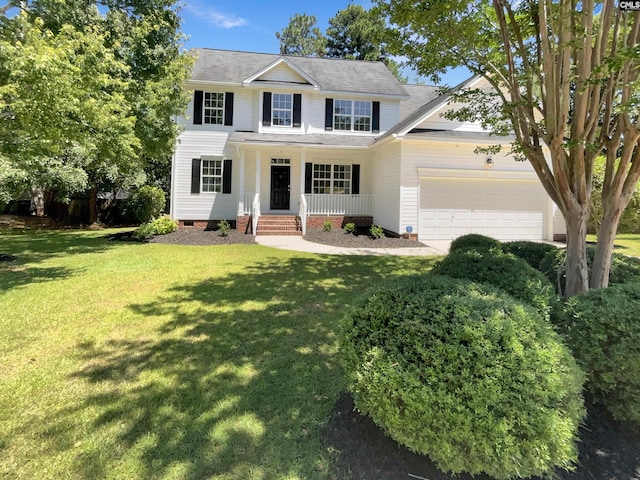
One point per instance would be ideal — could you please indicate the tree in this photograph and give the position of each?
(301, 38)
(143, 38)
(354, 33)
(565, 81)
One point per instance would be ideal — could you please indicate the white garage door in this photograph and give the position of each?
(506, 210)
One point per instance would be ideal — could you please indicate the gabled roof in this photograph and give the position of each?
(418, 96)
(425, 110)
(329, 74)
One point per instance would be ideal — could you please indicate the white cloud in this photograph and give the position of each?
(216, 18)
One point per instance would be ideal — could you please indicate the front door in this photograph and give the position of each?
(280, 187)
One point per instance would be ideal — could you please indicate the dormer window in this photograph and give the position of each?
(281, 109)
(352, 115)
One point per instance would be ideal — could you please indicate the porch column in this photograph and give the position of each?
(303, 165)
(241, 205)
(258, 162)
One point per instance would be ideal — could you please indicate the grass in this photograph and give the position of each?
(627, 243)
(148, 361)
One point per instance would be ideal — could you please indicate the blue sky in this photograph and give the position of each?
(250, 25)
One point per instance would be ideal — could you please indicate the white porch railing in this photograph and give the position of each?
(303, 213)
(247, 205)
(255, 213)
(337, 204)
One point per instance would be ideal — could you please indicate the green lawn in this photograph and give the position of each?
(123, 360)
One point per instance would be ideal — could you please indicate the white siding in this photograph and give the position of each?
(282, 73)
(386, 187)
(245, 111)
(437, 122)
(202, 206)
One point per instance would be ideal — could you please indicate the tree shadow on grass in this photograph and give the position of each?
(30, 247)
(238, 382)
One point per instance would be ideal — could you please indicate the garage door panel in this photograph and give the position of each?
(504, 210)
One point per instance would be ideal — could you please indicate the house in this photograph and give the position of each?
(270, 140)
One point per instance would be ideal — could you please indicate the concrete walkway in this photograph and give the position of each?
(299, 244)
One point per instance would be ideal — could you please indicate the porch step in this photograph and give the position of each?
(279, 225)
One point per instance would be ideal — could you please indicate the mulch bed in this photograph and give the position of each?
(608, 450)
(203, 237)
(361, 239)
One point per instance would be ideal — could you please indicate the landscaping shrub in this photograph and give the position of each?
(603, 330)
(159, 226)
(465, 374)
(503, 270)
(376, 231)
(327, 226)
(531, 252)
(224, 228)
(144, 204)
(349, 228)
(624, 269)
(473, 241)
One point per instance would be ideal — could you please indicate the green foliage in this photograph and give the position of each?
(144, 204)
(465, 374)
(302, 38)
(624, 269)
(158, 226)
(473, 241)
(502, 270)
(531, 252)
(349, 228)
(224, 228)
(327, 226)
(376, 231)
(630, 218)
(603, 330)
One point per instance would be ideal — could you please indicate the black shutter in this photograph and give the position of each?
(195, 175)
(328, 114)
(266, 109)
(228, 108)
(197, 107)
(355, 179)
(308, 177)
(297, 110)
(226, 176)
(375, 123)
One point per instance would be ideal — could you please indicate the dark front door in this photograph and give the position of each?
(280, 186)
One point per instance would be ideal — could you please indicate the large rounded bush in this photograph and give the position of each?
(624, 269)
(463, 373)
(503, 270)
(144, 204)
(473, 241)
(531, 252)
(603, 329)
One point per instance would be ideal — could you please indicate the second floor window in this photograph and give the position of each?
(213, 111)
(211, 175)
(282, 111)
(352, 115)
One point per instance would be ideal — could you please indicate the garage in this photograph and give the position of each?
(504, 209)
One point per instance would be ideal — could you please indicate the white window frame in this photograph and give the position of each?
(336, 179)
(209, 170)
(352, 106)
(287, 111)
(213, 115)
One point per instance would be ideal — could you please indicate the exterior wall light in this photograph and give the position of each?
(489, 162)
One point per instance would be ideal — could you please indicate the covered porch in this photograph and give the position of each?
(308, 181)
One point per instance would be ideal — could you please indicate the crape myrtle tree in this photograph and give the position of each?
(564, 77)
(142, 67)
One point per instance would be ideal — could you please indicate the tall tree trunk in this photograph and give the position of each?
(93, 205)
(37, 200)
(612, 211)
(577, 271)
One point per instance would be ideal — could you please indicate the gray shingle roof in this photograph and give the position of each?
(337, 75)
(418, 96)
(318, 139)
